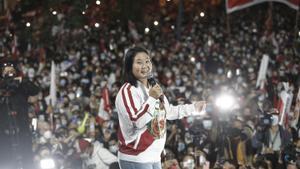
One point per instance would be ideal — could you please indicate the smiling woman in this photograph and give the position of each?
(142, 111)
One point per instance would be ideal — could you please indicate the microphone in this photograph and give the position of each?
(153, 82)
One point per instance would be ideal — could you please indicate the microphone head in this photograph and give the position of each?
(151, 80)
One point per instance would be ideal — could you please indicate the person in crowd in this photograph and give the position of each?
(143, 110)
(95, 156)
(15, 132)
(275, 139)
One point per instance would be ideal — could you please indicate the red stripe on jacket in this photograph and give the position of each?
(143, 109)
(145, 141)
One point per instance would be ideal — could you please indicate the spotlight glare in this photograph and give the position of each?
(54, 12)
(97, 25)
(299, 33)
(47, 163)
(225, 102)
(83, 12)
(147, 30)
(86, 26)
(155, 23)
(172, 27)
(202, 14)
(193, 59)
(28, 24)
(98, 2)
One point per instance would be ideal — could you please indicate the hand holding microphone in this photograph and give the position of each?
(155, 90)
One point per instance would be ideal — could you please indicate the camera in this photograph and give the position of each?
(290, 154)
(264, 121)
(9, 84)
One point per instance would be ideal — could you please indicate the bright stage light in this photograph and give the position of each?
(193, 59)
(98, 2)
(155, 23)
(225, 102)
(47, 163)
(202, 14)
(97, 25)
(54, 12)
(147, 30)
(28, 24)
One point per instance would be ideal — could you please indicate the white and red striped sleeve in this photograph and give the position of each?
(180, 111)
(131, 106)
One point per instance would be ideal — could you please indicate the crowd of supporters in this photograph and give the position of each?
(202, 60)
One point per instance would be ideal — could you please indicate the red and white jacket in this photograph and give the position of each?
(139, 138)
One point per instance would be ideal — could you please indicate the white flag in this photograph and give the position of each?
(286, 98)
(262, 71)
(53, 85)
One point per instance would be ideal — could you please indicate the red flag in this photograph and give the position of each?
(14, 48)
(105, 96)
(235, 5)
(105, 110)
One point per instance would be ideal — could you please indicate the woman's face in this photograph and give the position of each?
(142, 66)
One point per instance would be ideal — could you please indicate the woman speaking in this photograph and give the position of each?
(142, 111)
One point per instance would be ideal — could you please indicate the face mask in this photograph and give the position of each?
(275, 120)
(261, 97)
(113, 148)
(64, 122)
(62, 82)
(84, 156)
(168, 74)
(207, 124)
(180, 146)
(220, 71)
(71, 96)
(250, 70)
(189, 164)
(216, 82)
(47, 134)
(188, 138)
(190, 120)
(31, 73)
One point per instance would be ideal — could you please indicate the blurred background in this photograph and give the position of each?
(200, 49)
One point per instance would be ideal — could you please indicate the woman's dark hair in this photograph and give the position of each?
(128, 62)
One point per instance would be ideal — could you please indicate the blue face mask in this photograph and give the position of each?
(180, 146)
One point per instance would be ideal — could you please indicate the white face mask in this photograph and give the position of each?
(113, 148)
(189, 164)
(207, 124)
(275, 120)
(84, 156)
(190, 120)
(47, 134)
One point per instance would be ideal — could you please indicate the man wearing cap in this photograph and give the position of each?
(95, 156)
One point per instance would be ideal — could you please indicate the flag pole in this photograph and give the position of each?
(296, 21)
(227, 18)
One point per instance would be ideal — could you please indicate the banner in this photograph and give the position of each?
(235, 5)
(53, 85)
(262, 71)
(286, 98)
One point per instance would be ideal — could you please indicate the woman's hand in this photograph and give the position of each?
(155, 91)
